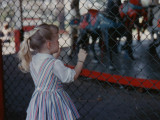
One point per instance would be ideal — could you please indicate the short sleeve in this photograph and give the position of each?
(65, 74)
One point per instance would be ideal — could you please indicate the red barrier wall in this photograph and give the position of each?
(1, 85)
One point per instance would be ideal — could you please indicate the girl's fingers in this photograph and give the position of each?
(82, 50)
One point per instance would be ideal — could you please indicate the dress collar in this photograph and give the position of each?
(44, 55)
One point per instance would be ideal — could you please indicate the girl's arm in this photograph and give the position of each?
(81, 59)
(66, 74)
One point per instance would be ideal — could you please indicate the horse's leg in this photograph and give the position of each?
(152, 48)
(74, 38)
(138, 32)
(82, 40)
(120, 32)
(152, 35)
(113, 40)
(128, 45)
(85, 41)
(94, 39)
(102, 47)
(154, 45)
(112, 47)
(106, 39)
(138, 27)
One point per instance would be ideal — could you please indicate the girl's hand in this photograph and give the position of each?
(56, 55)
(81, 58)
(82, 55)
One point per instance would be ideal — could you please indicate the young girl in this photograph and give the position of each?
(49, 101)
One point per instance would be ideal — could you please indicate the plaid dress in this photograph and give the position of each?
(49, 101)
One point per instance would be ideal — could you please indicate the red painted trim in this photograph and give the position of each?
(158, 23)
(28, 28)
(123, 80)
(17, 39)
(1, 85)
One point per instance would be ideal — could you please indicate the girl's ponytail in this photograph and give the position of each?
(36, 41)
(24, 56)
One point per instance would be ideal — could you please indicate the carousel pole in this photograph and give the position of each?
(18, 19)
(75, 12)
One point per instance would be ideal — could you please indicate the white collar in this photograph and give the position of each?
(38, 59)
(44, 55)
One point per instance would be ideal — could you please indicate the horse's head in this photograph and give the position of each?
(89, 21)
(112, 8)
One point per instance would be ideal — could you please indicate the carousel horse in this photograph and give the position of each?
(130, 12)
(127, 14)
(109, 25)
(89, 27)
(100, 25)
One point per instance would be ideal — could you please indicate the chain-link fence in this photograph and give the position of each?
(120, 79)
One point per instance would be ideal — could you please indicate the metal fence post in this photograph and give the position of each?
(1, 85)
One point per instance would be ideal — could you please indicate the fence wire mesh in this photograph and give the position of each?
(120, 79)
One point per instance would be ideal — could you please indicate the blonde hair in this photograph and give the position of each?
(42, 33)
